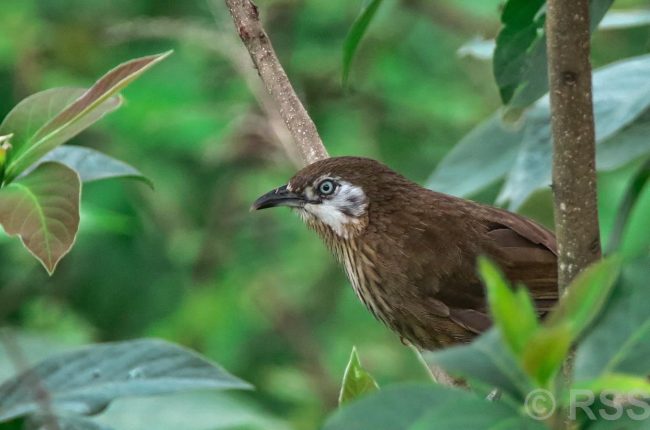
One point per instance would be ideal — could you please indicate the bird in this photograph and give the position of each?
(410, 253)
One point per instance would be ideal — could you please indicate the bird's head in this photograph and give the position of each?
(334, 193)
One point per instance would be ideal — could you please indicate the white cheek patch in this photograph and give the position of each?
(342, 210)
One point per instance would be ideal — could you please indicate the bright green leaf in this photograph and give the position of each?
(87, 380)
(356, 380)
(92, 165)
(354, 36)
(43, 209)
(620, 340)
(77, 116)
(513, 313)
(585, 297)
(545, 352)
(615, 383)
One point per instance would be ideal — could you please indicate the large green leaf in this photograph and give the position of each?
(63, 422)
(355, 35)
(92, 165)
(42, 128)
(486, 362)
(620, 341)
(481, 158)
(622, 110)
(520, 61)
(512, 312)
(410, 406)
(357, 382)
(43, 209)
(86, 381)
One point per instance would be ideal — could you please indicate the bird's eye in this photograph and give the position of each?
(326, 187)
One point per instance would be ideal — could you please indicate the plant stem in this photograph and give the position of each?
(574, 154)
(251, 32)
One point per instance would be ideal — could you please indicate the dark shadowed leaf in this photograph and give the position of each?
(620, 340)
(420, 407)
(632, 193)
(486, 361)
(43, 209)
(58, 126)
(355, 35)
(63, 422)
(86, 381)
(92, 165)
(356, 380)
(512, 312)
(520, 62)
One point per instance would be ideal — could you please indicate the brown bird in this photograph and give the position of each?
(410, 253)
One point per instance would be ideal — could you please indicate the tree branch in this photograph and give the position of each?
(574, 153)
(302, 128)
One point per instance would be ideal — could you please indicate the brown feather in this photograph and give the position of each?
(413, 260)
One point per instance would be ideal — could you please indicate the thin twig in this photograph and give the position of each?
(302, 128)
(574, 153)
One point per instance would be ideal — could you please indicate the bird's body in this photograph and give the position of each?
(410, 253)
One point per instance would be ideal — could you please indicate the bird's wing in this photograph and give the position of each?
(524, 250)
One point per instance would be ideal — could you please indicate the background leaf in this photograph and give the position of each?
(545, 352)
(520, 63)
(80, 114)
(87, 380)
(43, 209)
(620, 341)
(354, 36)
(485, 361)
(356, 380)
(92, 165)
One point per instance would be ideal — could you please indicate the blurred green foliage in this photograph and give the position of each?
(256, 292)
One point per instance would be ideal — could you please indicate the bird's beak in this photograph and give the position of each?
(278, 197)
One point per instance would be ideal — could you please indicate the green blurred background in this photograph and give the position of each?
(187, 261)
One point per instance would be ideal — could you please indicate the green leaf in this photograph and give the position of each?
(92, 165)
(77, 116)
(490, 151)
(585, 297)
(357, 382)
(620, 340)
(520, 62)
(632, 194)
(86, 381)
(354, 36)
(43, 209)
(513, 312)
(64, 422)
(615, 383)
(621, 19)
(404, 406)
(481, 158)
(486, 361)
(545, 352)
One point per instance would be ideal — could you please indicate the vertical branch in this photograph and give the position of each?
(574, 153)
(302, 128)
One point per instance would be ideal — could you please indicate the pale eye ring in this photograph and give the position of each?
(326, 187)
